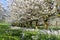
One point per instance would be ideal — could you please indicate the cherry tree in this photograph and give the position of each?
(29, 10)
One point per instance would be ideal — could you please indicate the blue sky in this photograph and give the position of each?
(5, 3)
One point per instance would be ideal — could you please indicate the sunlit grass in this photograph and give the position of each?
(4, 25)
(27, 35)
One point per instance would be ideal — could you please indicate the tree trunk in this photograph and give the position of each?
(31, 23)
(36, 24)
(46, 25)
(45, 19)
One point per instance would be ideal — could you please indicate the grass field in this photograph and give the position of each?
(20, 34)
(26, 35)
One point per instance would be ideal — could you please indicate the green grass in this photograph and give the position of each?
(50, 27)
(19, 34)
(12, 34)
(4, 25)
(9, 38)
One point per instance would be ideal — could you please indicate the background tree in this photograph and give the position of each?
(2, 14)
